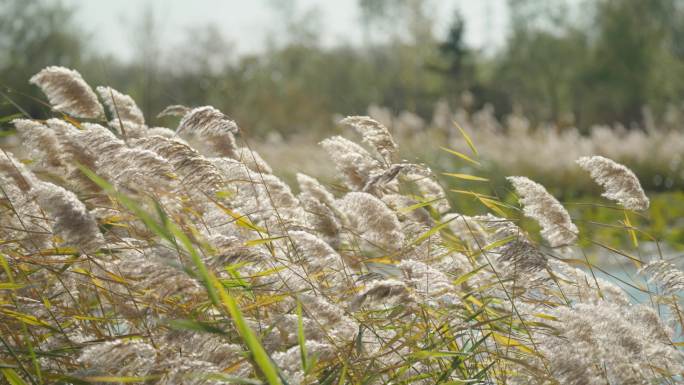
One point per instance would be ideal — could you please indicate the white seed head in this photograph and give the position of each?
(207, 120)
(68, 92)
(71, 220)
(250, 158)
(314, 188)
(379, 292)
(213, 129)
(174, 110)
(538, 204)
(607, 343)
(666, 275)
(619, 182)
(352, 160)
(121, 106)
(375, 134)
(372, 220)
(42, 141)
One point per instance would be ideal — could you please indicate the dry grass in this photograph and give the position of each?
(133, 254)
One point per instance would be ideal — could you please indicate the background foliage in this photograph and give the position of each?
(577, 63)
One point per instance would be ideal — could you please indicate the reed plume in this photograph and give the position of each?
(370, 219)
(121, 106)
(619, 182)
(352, 160)
(666, 275)
(71, 220)
(187, 260)
(557, 227)
(375, 134)
(68, 92)
(174, 110)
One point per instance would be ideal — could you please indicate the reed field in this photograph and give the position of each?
(476, 252)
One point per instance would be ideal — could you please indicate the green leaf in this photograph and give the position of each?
(224, 194)
(467, 138)
(484, 370)
(465, 177)
(260, 356)
(231, 379)
(419, 205)
(358, 342)
(479, 342)
(9, 118)
(432, 231)
(10, 286)
(119, 379)
(196, 260)
(423, 354)
(467, 276)
(460, 155)
(6, 268)
(151, 223)
(301, 338)
(188, 324)
(240, 220)
(12, 377)
(261, 241)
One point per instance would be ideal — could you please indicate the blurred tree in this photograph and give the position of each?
(543, 56)
(380, 15)
(537, 70)
(33, 35)
(297, 26)
(628, 57)
(204, 50)
(565, 61)
(397, 20)
(453, 48)
(146, 86)
(457, 64)
(603, 68)
(203, 58)
(405, 54)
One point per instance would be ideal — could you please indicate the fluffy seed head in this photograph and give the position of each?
(352, 160)
(174, 110)
(369, 217)
(213, 129)
(315, 189)
(605, 343)
(383, 180)
(207, 120)
(121, 106)
(431, 190)
(68, 92)
(320, 216)
(666, 275)
(72, 221)
(11, 168)
(42, 142)
(132, 168)
(523, 255)
(247, 156)
(196, 171)
(538, 204)
(375, 134)
(619, 182)
(380, 291)
(119, 358)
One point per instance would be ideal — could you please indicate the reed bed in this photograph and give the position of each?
(546, 152)
(137, 254)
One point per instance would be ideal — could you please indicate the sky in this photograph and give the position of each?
(247, 24)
